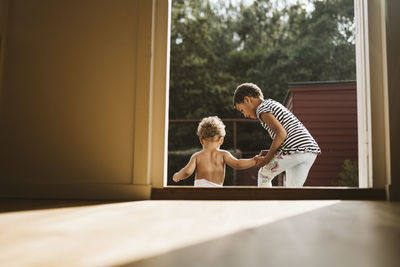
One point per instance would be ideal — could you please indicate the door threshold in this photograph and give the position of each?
(274, 193)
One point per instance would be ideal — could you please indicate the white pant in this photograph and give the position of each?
(296, 166)
(205, 183)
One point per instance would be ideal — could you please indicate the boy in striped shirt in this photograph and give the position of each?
(293, 149)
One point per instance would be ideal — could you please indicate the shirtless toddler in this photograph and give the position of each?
(209, 163)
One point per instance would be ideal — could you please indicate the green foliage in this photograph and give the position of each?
(349, 175)
(216, 45)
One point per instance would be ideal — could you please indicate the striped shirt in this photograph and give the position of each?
(298, 138)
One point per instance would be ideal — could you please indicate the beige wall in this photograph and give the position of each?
(76, 93)
(160, 85)
(393, 74)
(379, 94)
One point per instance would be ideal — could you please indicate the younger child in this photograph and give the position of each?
(209, 163)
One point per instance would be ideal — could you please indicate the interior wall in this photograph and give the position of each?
(393, 66)
(160, 107)
(379, 94)
(67, 107)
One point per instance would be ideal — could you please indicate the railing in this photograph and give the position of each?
(234, 121)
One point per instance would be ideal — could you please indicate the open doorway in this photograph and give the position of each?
(216, 45)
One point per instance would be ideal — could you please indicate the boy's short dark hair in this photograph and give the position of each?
(246, 89)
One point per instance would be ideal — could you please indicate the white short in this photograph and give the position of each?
(296, 166)
(205, 183)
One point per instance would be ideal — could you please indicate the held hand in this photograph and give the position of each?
(261, 161)
(263, 152)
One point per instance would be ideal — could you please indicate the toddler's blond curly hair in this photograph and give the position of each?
(211, 127)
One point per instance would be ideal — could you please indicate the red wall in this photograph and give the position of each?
(329, 112)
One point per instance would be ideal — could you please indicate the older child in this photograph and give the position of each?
(293, 149)
(209, 163)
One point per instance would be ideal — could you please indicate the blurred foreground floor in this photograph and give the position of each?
(199, 233)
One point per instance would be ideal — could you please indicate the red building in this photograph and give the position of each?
(329, 112)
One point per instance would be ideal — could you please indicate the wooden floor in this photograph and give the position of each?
(200, 233)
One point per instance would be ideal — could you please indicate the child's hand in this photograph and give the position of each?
(263, 152)
(260, 161)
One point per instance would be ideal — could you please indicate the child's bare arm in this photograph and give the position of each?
(186, 171)
(239, 164)
(280, 136)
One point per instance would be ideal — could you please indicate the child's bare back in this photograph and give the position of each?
(210, 165)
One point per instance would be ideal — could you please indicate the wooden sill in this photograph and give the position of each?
(275, 193)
